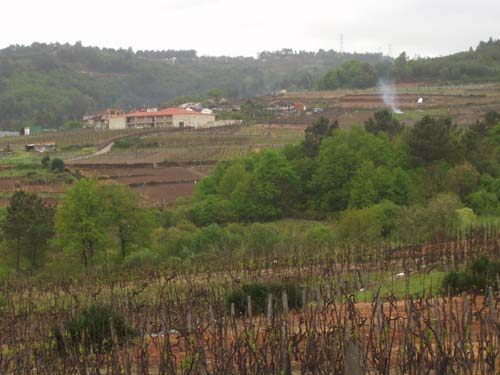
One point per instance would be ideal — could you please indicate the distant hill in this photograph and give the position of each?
(479, 65)
(49, 84)
(473, 66)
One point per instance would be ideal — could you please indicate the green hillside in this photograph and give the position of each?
(49, 84)
(474, 66)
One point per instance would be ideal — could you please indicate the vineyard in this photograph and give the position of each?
(183, 323)
(161, 165)
(195, 145)
(465, 104)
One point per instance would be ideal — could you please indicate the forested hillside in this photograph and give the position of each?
(48, 84)
(476, 65)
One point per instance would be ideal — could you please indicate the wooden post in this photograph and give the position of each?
(285, 303)
(269, 308)
(353, 359)
(249, 309)
(491, 305)
(284, 332)
(318, 297)
(189, 320)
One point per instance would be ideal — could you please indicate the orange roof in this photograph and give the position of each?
(163, 112)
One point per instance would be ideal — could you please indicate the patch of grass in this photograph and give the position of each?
(22, 158)
(136, 142)
(416, 285)
(412, 116)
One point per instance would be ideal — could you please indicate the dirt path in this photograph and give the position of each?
(102, 151)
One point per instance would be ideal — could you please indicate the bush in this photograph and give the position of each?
(46, 161)
(259, 292)
(92, 329)
(480, 275)
(483, 202)
(142, 258)
(57, 165)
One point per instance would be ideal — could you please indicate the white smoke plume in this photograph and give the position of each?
(389, 95)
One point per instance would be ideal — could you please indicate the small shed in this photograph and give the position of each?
(45, 147)
(41, 147)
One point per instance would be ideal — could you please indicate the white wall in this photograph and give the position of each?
(195, 121)
(116, 123)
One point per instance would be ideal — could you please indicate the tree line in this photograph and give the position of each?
(382, 183)
(476, 65)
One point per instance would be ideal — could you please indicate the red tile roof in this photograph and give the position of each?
(163, 112)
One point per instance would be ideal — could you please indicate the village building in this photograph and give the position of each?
(164, 118)
(100, 120)
(287, 107)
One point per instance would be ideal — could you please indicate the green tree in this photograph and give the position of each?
(320, 237)
(82, 221)
(29, 224)
(276, 186)
(480, 146)
(216, 94)
(359, 227)
(384, 121)
(433, 139)
(315, 133)
(46, 161)
(211, 209)
(463, 179)
(351, 74)
(483, 202)
(338, 162)
(57, 165)
(133, 225)
(232, 176)
(441, 216)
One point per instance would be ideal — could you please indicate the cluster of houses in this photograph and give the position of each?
(292, 108)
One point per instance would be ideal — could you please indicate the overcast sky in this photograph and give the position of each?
(245, 27)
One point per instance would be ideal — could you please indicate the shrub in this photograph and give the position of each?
(483, 202)
(92, 329)
(46, 161)
(259, 291)
(57, 165)
(138, 259)
(476, 278)
(455, 282)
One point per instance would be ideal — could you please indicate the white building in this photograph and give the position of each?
(165, 118)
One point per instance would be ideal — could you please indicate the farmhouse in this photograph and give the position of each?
(100, 120)
(165, 118)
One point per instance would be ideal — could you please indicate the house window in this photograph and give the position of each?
(181, 124)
